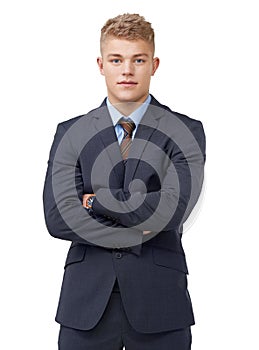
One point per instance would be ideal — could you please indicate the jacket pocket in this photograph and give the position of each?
(169, 259)
(75, 254)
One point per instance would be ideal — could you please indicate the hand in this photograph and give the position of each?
(86, 196)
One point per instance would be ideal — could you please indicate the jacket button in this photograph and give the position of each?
(118, 255)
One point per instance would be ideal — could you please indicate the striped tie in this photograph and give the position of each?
(128, 126)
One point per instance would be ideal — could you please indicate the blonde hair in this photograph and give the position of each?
(128, 26)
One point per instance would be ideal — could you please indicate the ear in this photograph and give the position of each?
(156, 62)
(100, 64)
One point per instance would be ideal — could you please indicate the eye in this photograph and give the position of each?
(116, 60)
(139, 60)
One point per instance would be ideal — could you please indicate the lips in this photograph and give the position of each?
(127, 83)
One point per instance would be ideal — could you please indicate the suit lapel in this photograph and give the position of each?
(107, 136)
(146, 128)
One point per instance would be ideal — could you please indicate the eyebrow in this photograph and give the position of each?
(118, 55)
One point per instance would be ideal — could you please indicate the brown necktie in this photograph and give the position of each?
(128, 126)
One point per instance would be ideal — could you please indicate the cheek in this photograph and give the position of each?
(109, 76)
(146, 79)
(110, 73)
(146, 75)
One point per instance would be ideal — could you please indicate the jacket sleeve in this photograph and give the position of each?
(64, 214)
(169, 207)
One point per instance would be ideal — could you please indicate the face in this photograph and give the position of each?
(127, 66)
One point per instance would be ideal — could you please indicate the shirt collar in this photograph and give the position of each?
(136, 116)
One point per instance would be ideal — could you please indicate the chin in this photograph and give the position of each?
(128, 98)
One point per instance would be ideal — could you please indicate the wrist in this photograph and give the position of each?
(89, 201)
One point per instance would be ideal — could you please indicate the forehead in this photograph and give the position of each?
(124, 47)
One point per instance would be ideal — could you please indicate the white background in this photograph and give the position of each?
(209, 71)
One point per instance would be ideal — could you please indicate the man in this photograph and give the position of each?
(120, 183)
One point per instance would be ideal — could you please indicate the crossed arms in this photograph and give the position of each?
(148, 217)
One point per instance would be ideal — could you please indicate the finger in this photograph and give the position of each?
(146, 232)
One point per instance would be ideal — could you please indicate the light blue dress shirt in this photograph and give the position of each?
(136, 117)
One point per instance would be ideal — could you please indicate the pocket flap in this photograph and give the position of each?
(75, 254)
(167, 258)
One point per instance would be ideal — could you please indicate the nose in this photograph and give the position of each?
(128, 68)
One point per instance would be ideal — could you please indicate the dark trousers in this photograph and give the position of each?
(113, 332)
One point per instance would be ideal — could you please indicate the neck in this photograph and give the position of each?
(127, 108)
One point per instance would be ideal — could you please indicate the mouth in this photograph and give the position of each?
(127, 83)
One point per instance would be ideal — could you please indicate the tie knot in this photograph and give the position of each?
(127, 124)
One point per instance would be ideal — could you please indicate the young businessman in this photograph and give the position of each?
(121, 181)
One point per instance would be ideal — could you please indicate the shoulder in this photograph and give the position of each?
(184, 118)
(66, 124)
(194, 125)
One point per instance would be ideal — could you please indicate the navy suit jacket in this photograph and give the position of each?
(151, 271)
